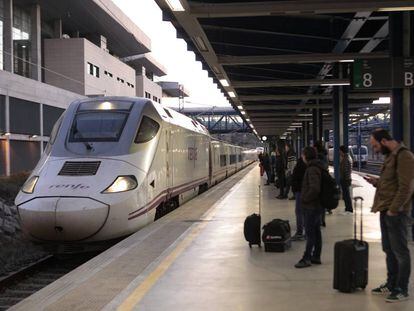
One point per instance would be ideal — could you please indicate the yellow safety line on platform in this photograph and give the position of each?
(147, 284)
(136, 296)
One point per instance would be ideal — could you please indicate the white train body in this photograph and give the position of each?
(112, 163)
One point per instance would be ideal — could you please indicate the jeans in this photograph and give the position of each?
(269, 176)
(394, 231)
(282, 181)
(312, 219)
(346, 195)
(299, 214)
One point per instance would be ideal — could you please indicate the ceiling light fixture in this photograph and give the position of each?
(224, 82)
(382, 100)
(336, 84)
(231, 94)
(200, 44)
(175, 5)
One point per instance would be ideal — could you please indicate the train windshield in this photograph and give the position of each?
(99, 121)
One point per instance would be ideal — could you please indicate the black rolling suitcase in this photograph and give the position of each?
(351, 261)
(252, 228)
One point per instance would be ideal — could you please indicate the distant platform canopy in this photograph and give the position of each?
(173, 89)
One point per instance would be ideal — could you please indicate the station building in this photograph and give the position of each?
(53, 52)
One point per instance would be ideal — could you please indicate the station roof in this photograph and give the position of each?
(97, 17)
(277, 57)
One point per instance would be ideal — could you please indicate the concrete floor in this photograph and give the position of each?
(210, 266)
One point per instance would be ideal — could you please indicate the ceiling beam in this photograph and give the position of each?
(310, 96)
(284, 83)
(297, 58)
(309, 106)
(268, 8)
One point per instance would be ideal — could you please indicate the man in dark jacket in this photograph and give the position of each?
(345, 177)
(311, 206)
(297, 178)
(267, 168)
(280, 171)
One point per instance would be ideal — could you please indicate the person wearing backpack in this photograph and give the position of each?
(393, 196)
(311, 208)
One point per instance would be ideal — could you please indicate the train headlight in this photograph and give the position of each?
(121, 184)
(30, 184)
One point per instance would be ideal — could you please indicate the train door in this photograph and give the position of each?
(210, 164)
(169, 159)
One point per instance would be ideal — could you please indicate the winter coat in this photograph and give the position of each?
(395, 186)
(345, 171)
(311, 185)
(297, 175)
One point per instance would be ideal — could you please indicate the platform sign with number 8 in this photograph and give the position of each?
(372, 74)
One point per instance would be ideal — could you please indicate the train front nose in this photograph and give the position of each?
(63, 219)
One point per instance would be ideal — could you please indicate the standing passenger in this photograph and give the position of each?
(297, 179)
(280, 172)
(291, 162)
(322, 155)
(312, 209)
(395, 188)
(266, 166)
(345, 177)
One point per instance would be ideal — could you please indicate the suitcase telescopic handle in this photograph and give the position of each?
(355, 217)
(260, 195)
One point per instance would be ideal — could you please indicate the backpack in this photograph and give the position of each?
(330, 192)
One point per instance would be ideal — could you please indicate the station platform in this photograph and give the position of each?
(196, 258)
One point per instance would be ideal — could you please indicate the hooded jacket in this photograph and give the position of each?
(311, 185)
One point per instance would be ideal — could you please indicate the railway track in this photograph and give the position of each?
(25, 282)
(372, 167)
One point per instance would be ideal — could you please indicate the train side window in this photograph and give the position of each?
(147, 130)
(233, 159)
(223, 160)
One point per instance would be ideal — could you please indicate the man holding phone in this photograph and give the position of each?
(395, 188)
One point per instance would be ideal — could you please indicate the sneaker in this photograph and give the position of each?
(316, 261)
(397, 296)
(298, 237)
(303, 263)
(383, 289)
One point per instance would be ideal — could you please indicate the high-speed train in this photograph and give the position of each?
(115, 164)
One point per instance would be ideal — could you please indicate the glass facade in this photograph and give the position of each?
(21, 41)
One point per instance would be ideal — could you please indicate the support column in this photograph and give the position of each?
(315, 117)
(7, 113)
(396, 50)
(345, 117)
(320, 124)
(8, 36)
(36, 43)
(304, 139)
(57, 29)
(337, 120)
